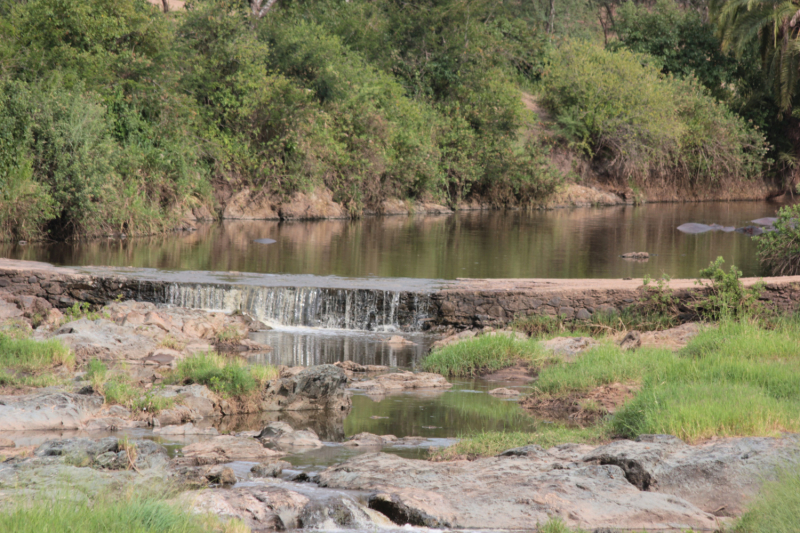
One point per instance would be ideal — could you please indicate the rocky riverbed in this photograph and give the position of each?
(293, 465)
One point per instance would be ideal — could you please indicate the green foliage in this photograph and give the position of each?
(727, 296)
(229, 377)
(776, 509)
(678, 38)
(486, 353)
(78, 311)
(779, 250)
(620, 109)
(28, 355)
(127, 515)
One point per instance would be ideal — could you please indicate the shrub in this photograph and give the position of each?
(727, 296)
(619, 109)
(779, 250)
(776, 509)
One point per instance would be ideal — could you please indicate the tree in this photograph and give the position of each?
(773, 26)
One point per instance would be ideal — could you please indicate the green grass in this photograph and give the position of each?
(28, 355)
(601, 323)
(229, 377)
(134, 515)
(777, 507)
(601, 365)
(737, 379)
(486, 353)
(491, 443)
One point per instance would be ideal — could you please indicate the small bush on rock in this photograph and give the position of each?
(779, 250)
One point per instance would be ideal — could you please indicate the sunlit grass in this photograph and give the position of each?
(226, 376)
(491, 443)
(128, 515)
(28, 355)
(776, 508)
(486, 353)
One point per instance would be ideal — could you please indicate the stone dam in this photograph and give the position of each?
(359, 304)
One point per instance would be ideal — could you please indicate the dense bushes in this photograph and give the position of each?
(642, 126)
(116, 117)
(779, 250)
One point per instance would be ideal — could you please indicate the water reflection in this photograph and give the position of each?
(308, 347)
(575, 243)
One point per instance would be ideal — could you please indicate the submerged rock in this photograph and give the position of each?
(636, 255)
(401, 381)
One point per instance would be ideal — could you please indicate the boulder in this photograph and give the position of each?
(273, 469)
(298, 439)
(631, 340)
(48, 410)
(260, 508)
(226, 448)
(340, 512)
(316, 388)
(515, 492)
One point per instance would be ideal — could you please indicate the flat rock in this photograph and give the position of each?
(401, 381)
(719, 476)
(516, 492)
(226, 448)
(272, 469)
(48, 410)
(103, 339)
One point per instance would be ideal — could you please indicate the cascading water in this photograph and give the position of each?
(354, 309)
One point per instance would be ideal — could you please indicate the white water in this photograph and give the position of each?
(330, 308)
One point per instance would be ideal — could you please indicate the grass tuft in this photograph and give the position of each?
(130, 515)
(229, 377)
(28, 355)
(491, 443)
(777, 507)
(486, 353)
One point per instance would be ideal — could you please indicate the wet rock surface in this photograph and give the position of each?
(226, 448)
(261, 508)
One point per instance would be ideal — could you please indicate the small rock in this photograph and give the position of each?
(631, 340)
(274, 430)
(224, 475)
(270, 469)
(636, 255)
(299, 439)
(504, 392)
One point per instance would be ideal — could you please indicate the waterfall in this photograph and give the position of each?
(356, 309)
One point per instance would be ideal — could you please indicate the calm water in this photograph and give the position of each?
(565, 243)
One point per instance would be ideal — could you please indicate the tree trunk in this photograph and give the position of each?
(552, 16)
(165, 5)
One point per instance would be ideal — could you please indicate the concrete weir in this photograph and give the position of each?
(361, 304)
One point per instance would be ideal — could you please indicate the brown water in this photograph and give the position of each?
(564, 243)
